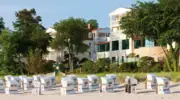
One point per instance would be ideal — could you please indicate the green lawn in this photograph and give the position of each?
(175, 76)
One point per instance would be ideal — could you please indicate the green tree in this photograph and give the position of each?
(93, 23)
(1, 24)
(20, 45)
(28, 26)
(35, 62)
(71, 33)
(171, 31)
(32, 36)
(157, 21)
(9, 58)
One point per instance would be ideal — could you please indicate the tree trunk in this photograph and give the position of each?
(167, 60)
(69, 60)
(173, 57)
(179, 58)
(132, 45)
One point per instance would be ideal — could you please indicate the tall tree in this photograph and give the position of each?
(171, 30)
(10, 59)
(28, 41)
(157, 21)
(1, 24)
(71, 33)
(32, 35)
(93, 24)
(28, 26)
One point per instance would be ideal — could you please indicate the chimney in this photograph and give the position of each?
(89, 26)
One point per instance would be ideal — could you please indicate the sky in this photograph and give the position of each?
(53, 11)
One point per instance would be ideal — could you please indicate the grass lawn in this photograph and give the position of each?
(141, 77)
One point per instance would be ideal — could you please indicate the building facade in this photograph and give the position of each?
(99, 37)
(118, 46)
(93, 37)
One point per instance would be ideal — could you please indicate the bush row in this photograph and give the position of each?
(141, 77)
(145, 64)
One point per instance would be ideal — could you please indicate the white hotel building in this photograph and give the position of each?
(97, 36)
(112, 43)
(118, 46)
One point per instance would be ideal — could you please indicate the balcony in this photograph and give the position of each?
(114, 23)
(103, 55)
(125, 60)
(108, 39)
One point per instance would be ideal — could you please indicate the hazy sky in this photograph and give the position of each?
(52, 11)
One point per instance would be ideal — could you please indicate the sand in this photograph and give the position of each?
(141, 94)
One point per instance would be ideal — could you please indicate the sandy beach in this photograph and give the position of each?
(141, 94)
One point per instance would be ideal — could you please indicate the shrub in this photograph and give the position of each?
(83, 60)
(102, 65)
(145, 63)
(128, 67)
(165, 69)
(78, 70)
(48, 66)
(89, 67)
(35, 62)
(114, 67)
(140, 77)
(157, 67)
(4, 72)
(132, 55)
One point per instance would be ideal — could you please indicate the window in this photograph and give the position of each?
(117, 17)
(118, 29)
(115, 45)
(113, 59)
(125, 44)
(114, 29)
(122, 59)
(155, 43)
(143, 43)
(137, 43)
(89, 54)
(107, 47)
(103, 47)
(89, 44)
(113, 18)
(149, 43)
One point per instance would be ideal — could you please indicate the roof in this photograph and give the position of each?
(119, 11)
(97, 29)
(102, 30)
(51, 31)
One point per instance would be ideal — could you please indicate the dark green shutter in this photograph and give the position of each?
(125, 44)
(115, 45)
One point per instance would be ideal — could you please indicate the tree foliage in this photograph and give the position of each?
(75, 30)
(9, 58)
(71, 33)
(93, 23)
(1, 24)
(158, 21)
(33, 36)
(35, 62)
(20, 46)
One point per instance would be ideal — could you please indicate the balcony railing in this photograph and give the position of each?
(115, 23)
(134, 59)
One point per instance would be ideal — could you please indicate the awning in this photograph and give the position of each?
(102, 43)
